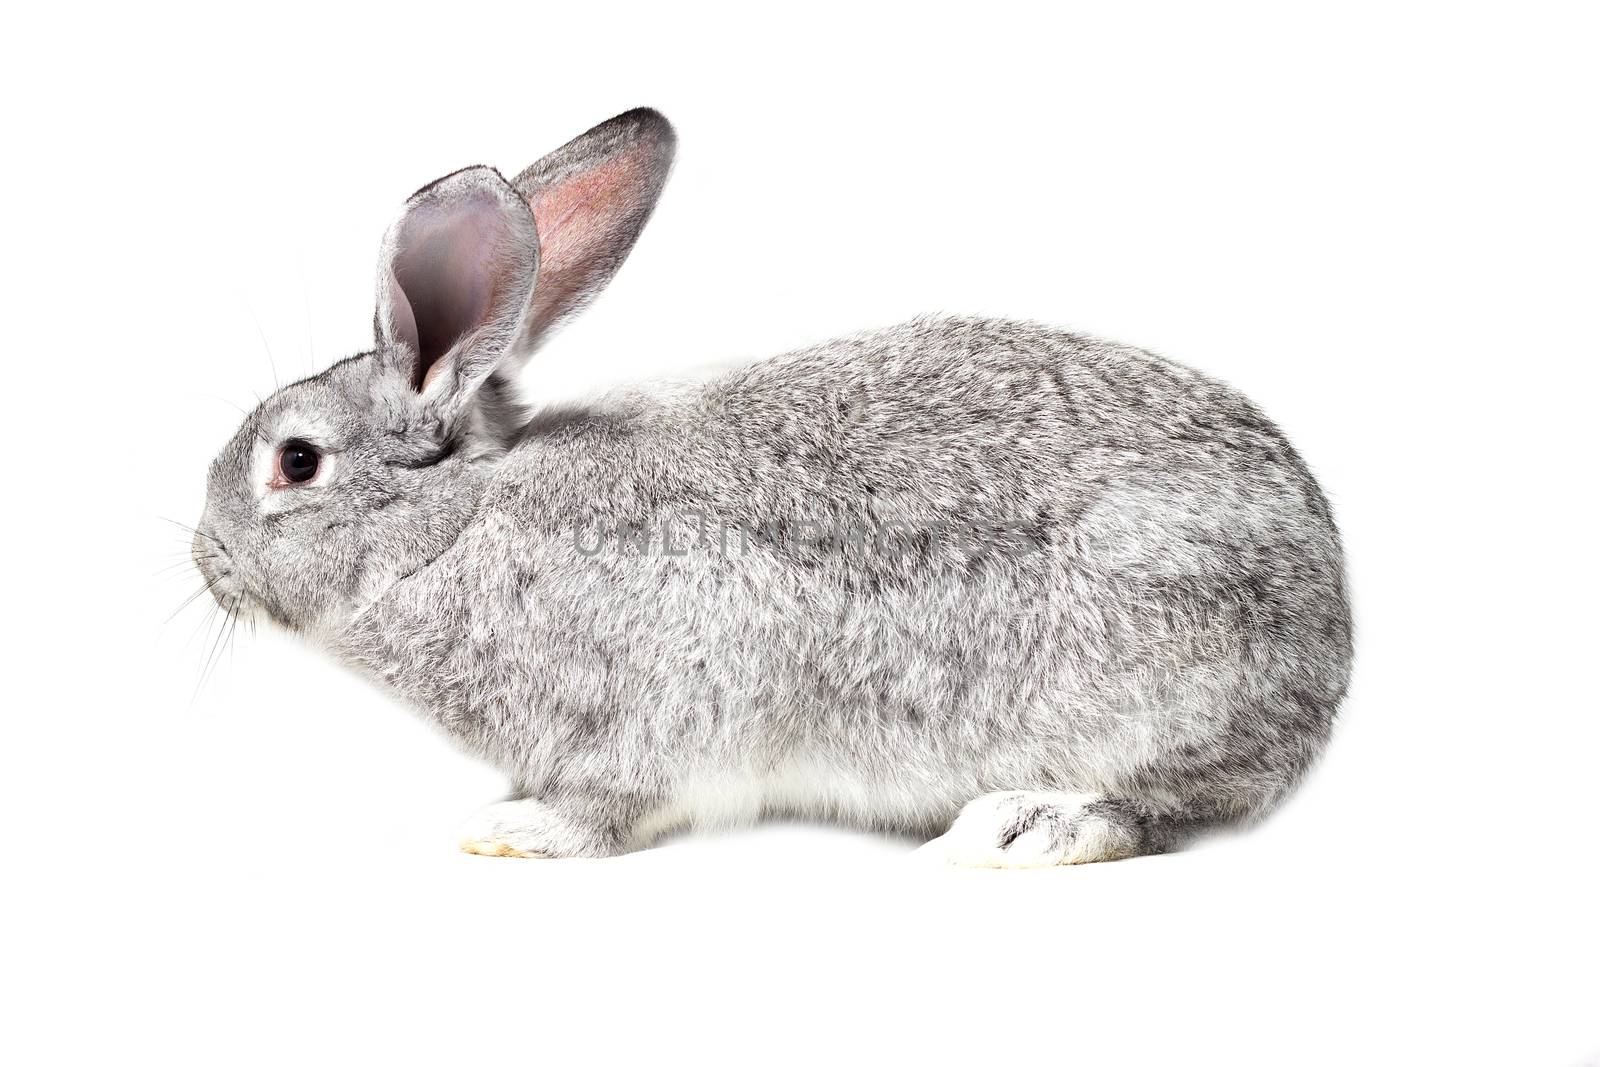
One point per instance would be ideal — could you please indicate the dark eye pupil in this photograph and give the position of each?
(299, 463)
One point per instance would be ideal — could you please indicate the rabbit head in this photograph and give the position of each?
(339, 484)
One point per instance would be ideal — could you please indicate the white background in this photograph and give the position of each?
(1378, 220)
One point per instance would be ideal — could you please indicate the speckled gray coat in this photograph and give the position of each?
(1089, 595)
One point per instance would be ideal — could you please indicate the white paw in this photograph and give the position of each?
(1021, 829)
(509, 828)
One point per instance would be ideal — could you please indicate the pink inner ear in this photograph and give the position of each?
(448, 271)
(581, 219)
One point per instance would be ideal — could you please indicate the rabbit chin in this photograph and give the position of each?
(249, 608)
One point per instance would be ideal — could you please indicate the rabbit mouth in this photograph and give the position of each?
(227, 590)
(237, 598)
(222, 581)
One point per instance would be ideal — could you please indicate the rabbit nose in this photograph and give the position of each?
(206, 547)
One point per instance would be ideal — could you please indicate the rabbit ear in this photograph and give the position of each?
(590, 198)
(454, 280)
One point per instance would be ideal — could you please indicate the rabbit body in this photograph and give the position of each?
(1150, 621)
(1086, 598)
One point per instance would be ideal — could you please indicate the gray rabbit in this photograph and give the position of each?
(1053, 599)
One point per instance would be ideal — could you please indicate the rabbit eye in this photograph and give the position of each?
(297, 462)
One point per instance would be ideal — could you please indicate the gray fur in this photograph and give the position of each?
(1160, 626)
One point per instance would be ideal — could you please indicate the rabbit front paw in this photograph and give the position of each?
(1025, 829)
(528, 829)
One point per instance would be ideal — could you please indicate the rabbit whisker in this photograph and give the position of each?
(192, 597)
(203, 630)
(261, 333)
(214, 653)
(184, 562)
(188, 529)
